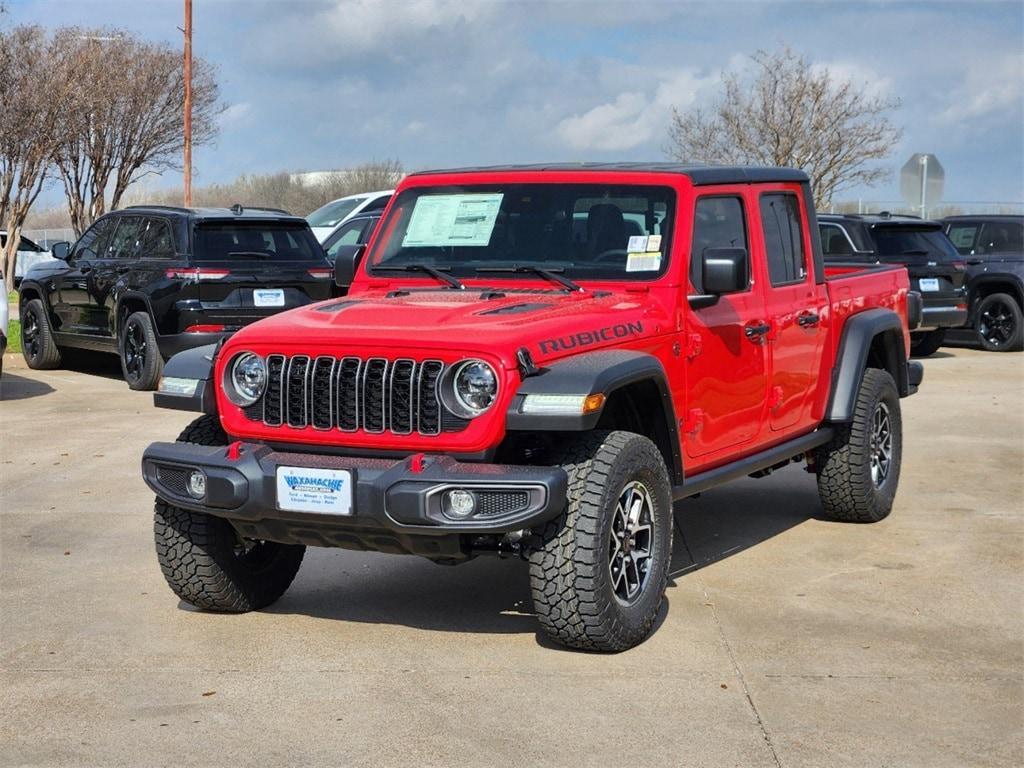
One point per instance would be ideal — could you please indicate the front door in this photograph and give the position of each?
(727, 362)
(71, 298)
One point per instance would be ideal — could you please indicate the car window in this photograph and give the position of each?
(264, 241)
(908, 240)
(963, 236)
(834, 240)
(349, 233)
(999, 236)
(333, 213)
(28, 245)
(379, 204)
(156, 241)
(125, 242)
(94, 241)
(783, 238)
(718, 222)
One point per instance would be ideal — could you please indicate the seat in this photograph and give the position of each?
(606, 229)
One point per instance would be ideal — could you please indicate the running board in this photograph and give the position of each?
(705, 480)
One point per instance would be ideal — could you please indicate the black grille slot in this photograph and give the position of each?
(272, 398)
(401, 394)
(494, 503)
(298, 381)
(348, 394)
(374, 396)
(174, 479)
(322, 381)
(426, 397)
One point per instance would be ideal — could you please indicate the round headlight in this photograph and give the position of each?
(248, 379)
(475, 385)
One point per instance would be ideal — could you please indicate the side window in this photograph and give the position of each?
(999, 236)
(155, 241)
(783, 238)
(834, 240)
(348, 234)
(718, 222)
(125, 242)
(963, 236)
(93, 243)
(377, 205)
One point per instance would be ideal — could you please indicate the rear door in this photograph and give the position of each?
(255, 268)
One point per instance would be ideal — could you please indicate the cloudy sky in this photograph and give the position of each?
(332, 83)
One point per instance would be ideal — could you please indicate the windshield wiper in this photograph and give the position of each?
(425, 269)
(549, 274)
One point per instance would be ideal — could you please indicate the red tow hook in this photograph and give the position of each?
(234, 450)
(416, 463)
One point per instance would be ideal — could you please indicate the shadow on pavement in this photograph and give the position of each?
(489, 595)
(96, 363)
(14, 387)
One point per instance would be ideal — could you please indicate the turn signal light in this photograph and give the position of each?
(204, 329)
(593, 403)
(321, 274)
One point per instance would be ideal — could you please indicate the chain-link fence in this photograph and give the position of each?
(47, 237)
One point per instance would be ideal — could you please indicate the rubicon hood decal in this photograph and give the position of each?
(588, 338)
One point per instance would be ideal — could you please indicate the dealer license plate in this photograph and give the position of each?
(929, 284)
(325, 491)
(268, 297)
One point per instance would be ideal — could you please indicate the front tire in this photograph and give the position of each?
(37, 344)
(204, 560)
(598, 571)
(141, 362)
(1000, 324)
(926, 343)
(859, 469)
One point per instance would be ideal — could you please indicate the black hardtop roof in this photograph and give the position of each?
(698, 173)
(984, 217)
(888, 219)
(240, 213)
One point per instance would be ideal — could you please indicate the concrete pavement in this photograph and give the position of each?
(787, 640)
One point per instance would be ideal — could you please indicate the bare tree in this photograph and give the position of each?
(36, 81)
(790, 113)
(127, 121)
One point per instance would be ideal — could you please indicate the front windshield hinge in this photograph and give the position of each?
(527, 367)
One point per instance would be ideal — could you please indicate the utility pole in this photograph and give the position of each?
(188, 103)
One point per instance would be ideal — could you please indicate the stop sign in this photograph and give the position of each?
(922, 179)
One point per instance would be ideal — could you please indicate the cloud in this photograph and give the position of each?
(990, 88)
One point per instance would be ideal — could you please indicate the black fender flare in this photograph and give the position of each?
(859, 334)
(604, 372)
(122, 298)
(196, 364)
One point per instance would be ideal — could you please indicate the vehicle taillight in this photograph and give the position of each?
(321, 274)
(204, 329)
(198, 274)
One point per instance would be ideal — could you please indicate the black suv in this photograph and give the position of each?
(993, 247)
(936, 270)
(149, 281)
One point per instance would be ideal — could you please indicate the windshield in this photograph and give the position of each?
(900, 241)
(332, 214)
(265, 241)
(583, 231)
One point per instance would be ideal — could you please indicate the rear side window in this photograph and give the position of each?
(718, 222)
(963, 236)
(265, 241)
(156, 242)
(999, 236)
(910, 241)
(835, 241)
(783, 238)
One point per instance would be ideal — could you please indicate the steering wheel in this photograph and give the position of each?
(610, 254)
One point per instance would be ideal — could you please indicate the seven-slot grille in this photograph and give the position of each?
(351, 393)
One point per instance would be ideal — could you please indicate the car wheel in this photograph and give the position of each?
(598, 571)
(141, 362)
(926, 343)
(859, 469)
(1000, 326)
(37, 344)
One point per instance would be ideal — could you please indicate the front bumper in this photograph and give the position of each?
(395, 500)
(171, 344)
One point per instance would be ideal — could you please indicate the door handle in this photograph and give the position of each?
(755, 331)
(85, 269)
(808, 319)
(123, 268)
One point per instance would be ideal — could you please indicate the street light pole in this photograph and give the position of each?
(188, 103)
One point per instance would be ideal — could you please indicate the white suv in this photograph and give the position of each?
(326, 219)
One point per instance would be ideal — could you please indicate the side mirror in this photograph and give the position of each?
(60, 250)
(346, 262)
(724, 270)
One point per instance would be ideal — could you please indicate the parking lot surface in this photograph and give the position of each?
(786, 640)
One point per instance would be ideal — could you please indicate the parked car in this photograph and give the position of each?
(993, 247)
(492, 385)
(325, 220)
(4, 320)
(936, 270)
(29, 254)
(356, 230)
(148, 281)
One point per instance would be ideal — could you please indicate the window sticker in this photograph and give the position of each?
(653, 243)
(444, 220)
(637, 244)
(643, 262)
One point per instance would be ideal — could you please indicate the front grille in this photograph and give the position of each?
(494, 503)
(174, 479)
(350, 393)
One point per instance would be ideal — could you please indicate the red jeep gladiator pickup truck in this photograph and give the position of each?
(539, 361)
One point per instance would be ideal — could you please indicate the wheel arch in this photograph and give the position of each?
(637, 399)
(127, 305)
(871, 339)
(986, 285)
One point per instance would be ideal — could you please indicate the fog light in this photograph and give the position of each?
(197, 484)
(460, 504)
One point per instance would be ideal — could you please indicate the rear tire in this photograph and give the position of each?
(204, 560)
(598, 571)
(926, 343)
(37, 344)
(859, 469)
(141, 362)
(1000, 323)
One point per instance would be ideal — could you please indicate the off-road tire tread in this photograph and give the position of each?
(50, 356)
(154, 365)
(843, 465)
(569, 601)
